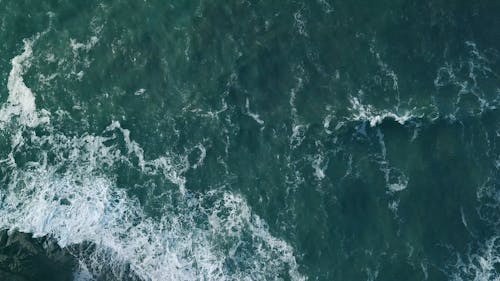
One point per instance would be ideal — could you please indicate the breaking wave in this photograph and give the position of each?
(65, 187)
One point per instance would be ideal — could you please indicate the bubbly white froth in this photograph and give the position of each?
(21, 101)
(75, 199)
(255, 116)
(83, 205)
(19, 93)
(479, 266)
(367, 113)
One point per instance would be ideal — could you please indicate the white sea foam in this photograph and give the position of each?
(254, 116)
(400, 185)
(479, 266)
(201, 158)
(192, 240)
(140, 92)
(19, 93)
(482, 263)
(326, 123)
(393, 206)
(319, 166)
(21, 100)
(69, 190)
(172, 171)
(87, 46)
(75, 66)
(368, 113)
(466, 76)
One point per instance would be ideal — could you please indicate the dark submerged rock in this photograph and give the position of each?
(24, 258)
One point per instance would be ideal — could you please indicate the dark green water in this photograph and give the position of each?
(250, 140)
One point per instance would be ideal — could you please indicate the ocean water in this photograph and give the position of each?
(162, 140)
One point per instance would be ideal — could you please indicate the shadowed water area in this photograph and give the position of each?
(249, 140)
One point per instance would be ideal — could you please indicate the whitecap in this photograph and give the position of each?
(140, 92)
(368, 113)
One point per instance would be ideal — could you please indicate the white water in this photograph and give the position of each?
(21, 100)
(479, 266)
(367, 113)
(68, 190)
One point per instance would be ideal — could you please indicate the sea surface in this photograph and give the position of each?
(159, 140)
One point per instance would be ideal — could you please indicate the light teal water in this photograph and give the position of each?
(253, 140)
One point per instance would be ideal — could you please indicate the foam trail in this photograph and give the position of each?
(298, 129)
(255, 116)
(319, 166)
(367, 113)
(21, 101)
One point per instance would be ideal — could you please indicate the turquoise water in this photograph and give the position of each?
(252, 140)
